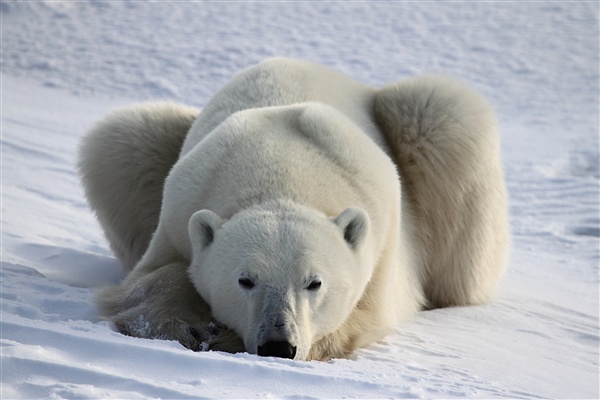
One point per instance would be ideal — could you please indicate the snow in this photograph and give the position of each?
(64, 64)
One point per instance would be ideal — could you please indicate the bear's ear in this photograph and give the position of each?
(354, 223)
(202, 228)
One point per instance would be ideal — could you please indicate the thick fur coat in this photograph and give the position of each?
(301, 214)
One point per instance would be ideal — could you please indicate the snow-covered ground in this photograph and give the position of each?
(64, 64)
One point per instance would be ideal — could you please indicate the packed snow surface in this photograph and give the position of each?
(64, 64)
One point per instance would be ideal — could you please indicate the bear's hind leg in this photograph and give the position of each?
(444, 140)
(123, 161)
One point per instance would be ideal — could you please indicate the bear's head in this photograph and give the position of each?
(282, 275)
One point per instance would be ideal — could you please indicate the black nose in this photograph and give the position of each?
(277, 349)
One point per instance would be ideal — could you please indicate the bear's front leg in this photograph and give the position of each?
(165, 305)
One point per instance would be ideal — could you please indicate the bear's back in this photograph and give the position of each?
(281, 82)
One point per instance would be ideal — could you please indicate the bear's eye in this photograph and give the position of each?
(246, 283)
(314, 285)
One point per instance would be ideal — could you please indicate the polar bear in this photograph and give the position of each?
(301, 214)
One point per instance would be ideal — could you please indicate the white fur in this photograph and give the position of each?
(286, 209)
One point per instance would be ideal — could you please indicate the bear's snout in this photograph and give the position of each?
(281, 349)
